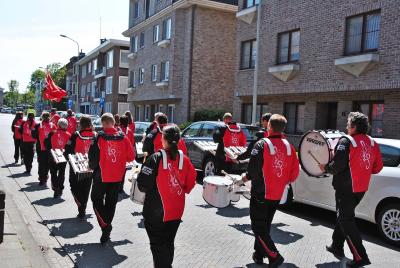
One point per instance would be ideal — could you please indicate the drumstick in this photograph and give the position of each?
(232, 178)
(312, 155)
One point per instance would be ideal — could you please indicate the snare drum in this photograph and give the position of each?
(136, 195)
(217, 191)
(317, 147)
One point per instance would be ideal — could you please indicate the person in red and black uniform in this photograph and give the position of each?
(166, 177)
(131, 123)
(273, 165)
(227, 135)
(58, 139)
(128, 132)
(15, 126)
(27, 130)
(108, 155)
(153, 142)
(357, 156)
(80, 142)
(72, 123)
(41, 134)
(54, 116)
(153, 124)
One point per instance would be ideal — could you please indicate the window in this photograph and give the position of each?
(132, 77)
(193, 131)
(294, 113)
(123, 85)
(108, 107)
(134, 44)
(137, 9)
(248, 54)
(375, 111)
(171, 113)
(165, 71)
(83, 91)
(327, 115)
(288, 47)
(247, 112)
(390, 155)
(94, 87)
(147, 113)
(142, 40)
(156, 33)
(137, 112)
(207, 130)
(89, 68)
(166, 34)
(109, 85)
(160, 108)
(141, 76)
(362, 33)
(123, 62)
(250, 3)
(123, 107)
(94, 67)
(83, 71)
(110, 59)
(154, 73)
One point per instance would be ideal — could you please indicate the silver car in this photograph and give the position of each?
(380, 205)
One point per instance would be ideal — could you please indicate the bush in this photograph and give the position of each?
(208, 115)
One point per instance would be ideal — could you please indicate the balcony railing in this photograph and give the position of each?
(101, 72)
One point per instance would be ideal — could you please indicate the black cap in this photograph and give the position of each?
(172, 133)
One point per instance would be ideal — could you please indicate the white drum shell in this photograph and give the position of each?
(217, 191)
(136, 195)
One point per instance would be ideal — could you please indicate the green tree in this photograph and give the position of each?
(11, 97)
(27, 98)
(36, 77)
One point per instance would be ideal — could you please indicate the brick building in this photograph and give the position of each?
(320, 60)
(103, 74)
(70, 79)
(182, 57)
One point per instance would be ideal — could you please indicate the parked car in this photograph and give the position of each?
(6, 110)
(140, 129)
(203, 131)
(380, 205)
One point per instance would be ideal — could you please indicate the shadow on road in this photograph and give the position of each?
(48, 201)
(122, 196)
(330, 265)
(69, 227)
(229, 212)
(85, 255)
(141, 223)
(33, 187)
(19, 175)
(284, 265)
(279, 236)
(10, 165)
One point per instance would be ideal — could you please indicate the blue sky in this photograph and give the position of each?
(30, 29)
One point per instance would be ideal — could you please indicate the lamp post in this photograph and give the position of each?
(77, 75)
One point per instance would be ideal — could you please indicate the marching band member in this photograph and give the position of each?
(27, 130)
(154, 124)
(357, 156)
(166, 177)
(117, 119)
(72, 123)
(80, 142)
(131, 137)
(228, 135)
(108, 155)
(153, 141)
(15, 126)
(41, 134)
(54, 116)
(58, 139)
(131, 123)
(273, 164)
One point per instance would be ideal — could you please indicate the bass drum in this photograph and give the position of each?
(317, 147)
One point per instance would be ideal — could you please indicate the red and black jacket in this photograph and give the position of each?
(356, 158)
(72, 124)
(132, 126)
(42, 132)
(108, 155)
(57, 139)
(273, 165)
(152, 127)
(129, 133)
(152, 143)
(27, 131)
(15, 128)
(80, 142)
(54, 117)
(226, 136)
(166, 182)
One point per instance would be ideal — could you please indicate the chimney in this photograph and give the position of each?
(103, 40)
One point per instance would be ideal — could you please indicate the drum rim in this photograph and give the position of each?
(300, 160)
(230, 201)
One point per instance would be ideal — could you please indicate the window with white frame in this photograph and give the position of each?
(94, 86)
(94, 66)
(83, 91)
(154, 73)
(89, 67)
(141, 40)
(141, 76)
(109, 84)
(171, 113)
(165, 71)
(138, 109)
(134, 44)
(156, 33)
(167, 25)
(123, 85)
(83, 71)
(110, 59)
(137, 10)
(132, 77)
(147, 113)
(123, 107)
(108, 107)
(123, 60)
(160, 108)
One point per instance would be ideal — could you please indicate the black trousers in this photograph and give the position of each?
(346, 228)
(57, 172)
(261, 215)
(221, 164)
(17, 149)
(104, 197)
(28, 153)
(80, 189)
(162, 237)
(43, 165)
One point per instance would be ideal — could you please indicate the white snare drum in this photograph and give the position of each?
(217, 191)
(136, 195)
(317, 147)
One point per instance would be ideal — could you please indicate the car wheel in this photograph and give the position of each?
(389, 223)
(209, 167)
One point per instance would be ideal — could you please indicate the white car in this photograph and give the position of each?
(380, 205)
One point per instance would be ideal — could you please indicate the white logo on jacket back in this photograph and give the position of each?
(365, 155)
(278, 162)
(173, 183)
(111, 152)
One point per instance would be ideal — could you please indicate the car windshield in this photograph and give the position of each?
(250, 131)
(390, 155)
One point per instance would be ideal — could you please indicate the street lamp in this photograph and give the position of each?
(77, 75)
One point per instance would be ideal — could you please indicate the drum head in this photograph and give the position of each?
(218, 180)
(313, 149)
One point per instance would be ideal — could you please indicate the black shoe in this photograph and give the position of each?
(337, 252)
(81, 215)
(276, 262)
(105, 237)
(257, 259)
(56, 194)
(42, 183)
(361, 263)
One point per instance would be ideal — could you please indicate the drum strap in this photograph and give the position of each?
(165, 162)
(350, 138)
(288, 149)
(372, 140)
(272, 148)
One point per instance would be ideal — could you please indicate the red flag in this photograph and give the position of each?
(52, 92)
